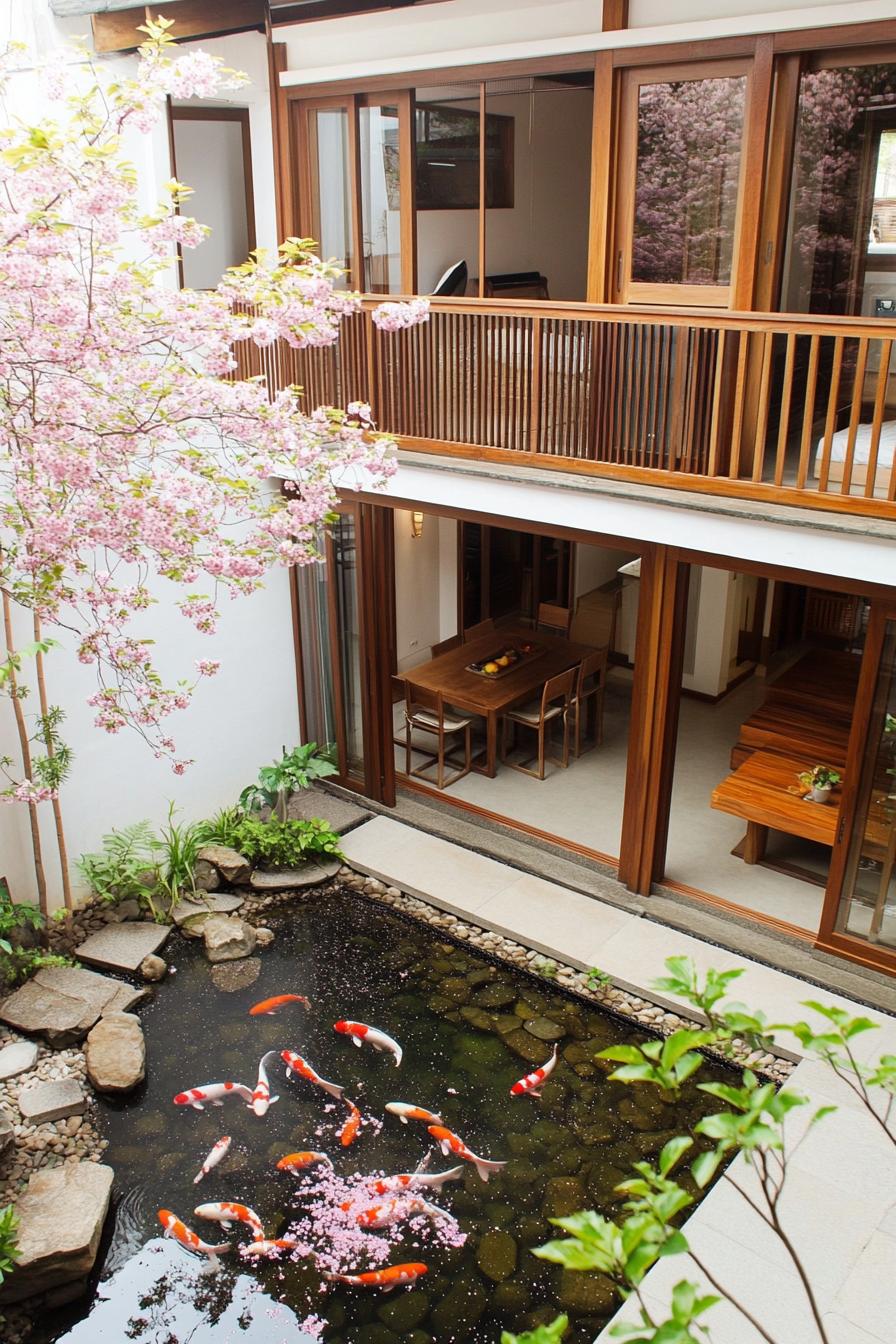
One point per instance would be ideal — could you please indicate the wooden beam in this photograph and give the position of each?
(778, 171)
(284, 152)
(119, 30)
(614, 15)
(659, 649)
(758, 119)
(482, 190)
(603, 150)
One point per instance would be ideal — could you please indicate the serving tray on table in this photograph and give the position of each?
(515, 655)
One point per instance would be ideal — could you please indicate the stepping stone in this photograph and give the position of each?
(61, 1216)
(42, 1102)
(17, 1058)
(338, 813)
(217, 903)
(122, 947)
(116, 1053)
(289, 879)
(61, 1003)
(233, 866)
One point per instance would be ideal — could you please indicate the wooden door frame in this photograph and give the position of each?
(830, 938)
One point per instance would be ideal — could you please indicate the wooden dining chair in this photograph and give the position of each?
(474, 631)
(540, 715)
(446, 645)
(425, 712)
(552, 617)
(588, 698)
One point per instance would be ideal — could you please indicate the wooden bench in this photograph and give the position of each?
(817, 737)
(765, 791)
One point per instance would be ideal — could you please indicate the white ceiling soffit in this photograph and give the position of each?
(74, 9)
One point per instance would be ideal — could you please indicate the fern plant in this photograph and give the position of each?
(127, 867)
(9, 1244)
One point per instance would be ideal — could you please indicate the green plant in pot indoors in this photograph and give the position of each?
(818, 782)
(296, 770)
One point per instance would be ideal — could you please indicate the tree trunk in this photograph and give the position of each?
(57, 807)
(25, 748)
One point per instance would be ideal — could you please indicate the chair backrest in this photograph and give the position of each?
(421, 697)
(595, 620)
(554, 617)
(592, 671)
(454, 281)
(474, 631)
(446, 645)
(558, 688)
(524, 284)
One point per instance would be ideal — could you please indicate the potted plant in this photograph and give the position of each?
(818, 782)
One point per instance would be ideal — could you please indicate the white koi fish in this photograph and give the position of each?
(220, 1150)
(179, 1232)
(274, 1247)
(407, 1180)
(227, 1213)
(359, 1031)
(295, 1064)
(393, 1211)
(210, 1094)
(450, 1143)
(531, 1084)
(405, 1112)
(261, 1097)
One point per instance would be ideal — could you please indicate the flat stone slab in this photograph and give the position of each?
(233, 866)
(61, 1216)
(218, 903)
(122, 947)
(338, 813)
(231, 976)
(61, 1003)
(115, 1052)
(290, 879)
(42, 1102)
(17, 1058)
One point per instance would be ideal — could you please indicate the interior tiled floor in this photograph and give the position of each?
(584, 804)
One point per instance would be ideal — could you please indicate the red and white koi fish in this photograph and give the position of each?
(359, 1032)
(295, 1064)
(272, 1247)
(349, 1131)
(261, 1097)
(387, 1279)
(405, 1112)
(180, 1232)
(220, 1150)
(395, 1211)
(450, 1143)
(279, 1001)
(531, 1084)
(211, 1095)
(407, 1180)
(299, 1161)
(226, 1213)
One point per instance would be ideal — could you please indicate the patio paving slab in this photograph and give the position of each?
(122, 947)
(529, 909)
(341, 814)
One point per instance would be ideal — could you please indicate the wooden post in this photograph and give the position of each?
(614, 15)
(659, 651)
(284, 190)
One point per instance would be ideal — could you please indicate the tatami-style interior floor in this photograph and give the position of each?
(583, 804)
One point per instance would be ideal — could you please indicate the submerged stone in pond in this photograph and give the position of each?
(496, 1255)
(476, 1017)
(455, 989)
(231, 976)
(459, 1309)
(511, 1296)
(564, 1195)
(495, 996)
(586, 1291)
(526, 1046)
(481, 976)
(544, 1029)
(405, 1311)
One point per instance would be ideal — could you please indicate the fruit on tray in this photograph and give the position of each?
(503, 661)
(491, 669)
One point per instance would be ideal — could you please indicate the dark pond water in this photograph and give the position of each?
(462, 1023)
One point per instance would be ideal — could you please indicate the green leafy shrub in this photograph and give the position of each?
(9, 1244)
(178, 848)
(223, 828)
(296, 769)
(17, 963)
(286, 843)
(126, 867)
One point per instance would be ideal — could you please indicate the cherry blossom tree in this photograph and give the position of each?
(130, 455)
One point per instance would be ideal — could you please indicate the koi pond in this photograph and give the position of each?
(469, 1029)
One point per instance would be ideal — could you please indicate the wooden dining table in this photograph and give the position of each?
(490, 697)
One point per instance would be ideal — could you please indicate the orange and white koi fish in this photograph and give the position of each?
(226, 1213)
(300, 1161)
(349, 1131)
(211, 1095)
(261, 1097)
(405, 1112)
(180, 1232)
(220, 1150)
(531, 1084)
(279, 1001)
(450, 1143)
(272, 1247)
(387, 1279)
(296, 1064)
(407, 1180)
(359, 1031)
(395, 1211)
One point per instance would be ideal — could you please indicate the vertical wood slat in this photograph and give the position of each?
(823, 468)
(535, 405)
(802, 470)
(740, 389)
(763, 406)
(880, 397)
(854, 415)
(715, 423)
(784, 421)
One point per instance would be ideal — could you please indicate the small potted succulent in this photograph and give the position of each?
(818, 783)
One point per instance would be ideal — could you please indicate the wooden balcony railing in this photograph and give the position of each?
(795, 409)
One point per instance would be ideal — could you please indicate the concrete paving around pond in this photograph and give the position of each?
(840, 1204)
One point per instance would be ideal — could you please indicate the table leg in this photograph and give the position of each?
(754, 842)
(491, 745)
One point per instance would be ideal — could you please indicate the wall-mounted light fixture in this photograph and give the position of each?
(416, 524)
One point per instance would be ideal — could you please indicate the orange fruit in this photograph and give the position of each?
(491, 668)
